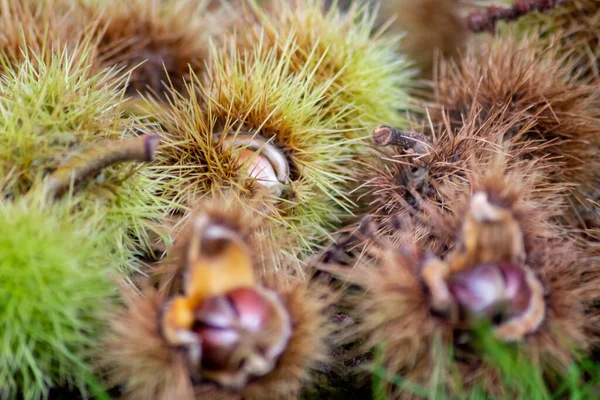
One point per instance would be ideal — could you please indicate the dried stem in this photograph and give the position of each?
(98, 157)
(486, 21)
(386, 135)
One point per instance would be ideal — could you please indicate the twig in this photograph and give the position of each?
(486, 21)
(386, 135)
(98, 157)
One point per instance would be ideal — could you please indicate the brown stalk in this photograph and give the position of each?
(387, 135)
(99, 157)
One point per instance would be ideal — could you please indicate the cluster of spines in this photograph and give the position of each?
(54, 298)
(393, 309)
(257, 97)
(551, 113)
(156, 43)
(493, 102)
(309, 114)
(346, 51)
(62, 126)
(344, 82)
(304, 94)
(137, 355)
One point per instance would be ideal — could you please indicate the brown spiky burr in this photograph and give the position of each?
(460, 236)
(32, 30)
(156, 43)
(416, 167)
(220, 324)
(421, 281)
(557, 117)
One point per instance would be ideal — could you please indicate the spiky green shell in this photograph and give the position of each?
(257, 93)
(157, 41)
(317, 102)
(53, 110)
(573, 29)
(368, 80)
(54, 285)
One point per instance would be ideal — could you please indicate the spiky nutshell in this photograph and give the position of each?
(420, 166)
(415, 203)
(63, 132)
(425, 280)
(483, 120)
(253, 126)
(368, 79)
(571, 30)
(59, 123)
(220, 324)
(156, 42)
(556, 114)
(55, 285)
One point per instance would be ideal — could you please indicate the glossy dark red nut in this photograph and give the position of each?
(478, 290)
(490, 290)
(235, 326)
(252, 309)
